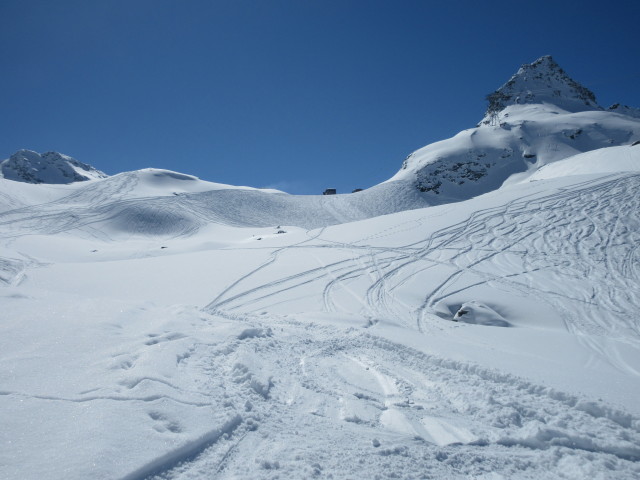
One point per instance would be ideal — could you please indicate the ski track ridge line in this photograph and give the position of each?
(185, 453)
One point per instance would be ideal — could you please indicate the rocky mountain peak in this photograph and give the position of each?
(542, 81)
(49, 167)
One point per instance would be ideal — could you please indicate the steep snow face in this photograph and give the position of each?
(542, 81)
(538, 117)
(50, 167)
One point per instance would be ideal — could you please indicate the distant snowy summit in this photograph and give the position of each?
(539, 116)
(50, 167)
(542, 81)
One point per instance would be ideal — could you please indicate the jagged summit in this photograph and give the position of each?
(542, 81)
(50, 167)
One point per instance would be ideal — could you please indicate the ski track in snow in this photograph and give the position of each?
(301, 399)
(335, 354)
(421, 415)
(537, 234)
(350, 404)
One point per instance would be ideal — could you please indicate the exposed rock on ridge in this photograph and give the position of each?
(539, 82)
(50, 167)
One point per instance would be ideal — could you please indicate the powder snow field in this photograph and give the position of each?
(173, 343)
(157, 326)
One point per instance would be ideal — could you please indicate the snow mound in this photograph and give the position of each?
(50, 167)
(160, 182)
(479, 314)
(603, 160)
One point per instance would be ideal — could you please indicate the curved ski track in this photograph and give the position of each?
(299, 400)
(540, 247)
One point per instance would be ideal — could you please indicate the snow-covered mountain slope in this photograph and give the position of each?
(331, 352)
(154, 325)
(50, 167)
(538, 117)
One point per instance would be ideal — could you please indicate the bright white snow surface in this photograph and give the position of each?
(174, 333)
(602, 160)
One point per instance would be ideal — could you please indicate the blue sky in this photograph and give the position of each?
(300, 95)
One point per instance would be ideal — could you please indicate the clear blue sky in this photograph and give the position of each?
(297, 94)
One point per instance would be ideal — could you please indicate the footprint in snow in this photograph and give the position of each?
(164, 424)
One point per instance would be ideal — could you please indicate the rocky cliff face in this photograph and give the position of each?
(50, 167)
